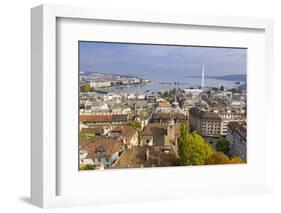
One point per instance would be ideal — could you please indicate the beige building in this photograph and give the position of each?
(126, 134)
(230, 115)
(102, 152)
(163, 135)
(207, 124)
(100, 84)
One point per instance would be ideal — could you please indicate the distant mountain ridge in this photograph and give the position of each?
(233, 77)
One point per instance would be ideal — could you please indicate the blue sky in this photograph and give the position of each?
(153, 61)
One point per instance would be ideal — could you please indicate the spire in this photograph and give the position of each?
(203, 76)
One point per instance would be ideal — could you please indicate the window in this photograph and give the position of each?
(107, 160)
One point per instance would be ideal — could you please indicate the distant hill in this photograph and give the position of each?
(233, 77)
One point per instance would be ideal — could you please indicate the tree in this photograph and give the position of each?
(182, 144)
(137, 125)
(217, 158)
(86, 88)
(222, 145)
(221, 158)
(184, 131)
(85, 137)
(166, 94)
(88, 167)
(192, 148)
(236, 160)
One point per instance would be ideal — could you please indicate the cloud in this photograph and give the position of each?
(155, 60)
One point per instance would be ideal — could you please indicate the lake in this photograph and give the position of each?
(184, 82)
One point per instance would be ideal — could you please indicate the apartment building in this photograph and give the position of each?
(207, 124)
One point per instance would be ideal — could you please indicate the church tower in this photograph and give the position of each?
(170, 132)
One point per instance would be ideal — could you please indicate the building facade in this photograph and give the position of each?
(101, 153)
(230, 115)
(207, 124)
(237, 137)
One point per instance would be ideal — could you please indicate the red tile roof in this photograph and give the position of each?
(101, 147)
(104, 118)
(126, 131)
(95, 118)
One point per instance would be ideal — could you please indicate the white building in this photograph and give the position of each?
(102, 153)
(99, 107)
(230, 115)
(100, 84)
(131, 96)
(141, 97)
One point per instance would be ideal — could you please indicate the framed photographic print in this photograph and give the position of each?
(129, 106)
(150, 105)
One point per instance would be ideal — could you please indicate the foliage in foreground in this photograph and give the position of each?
(88, 167)
(221, 158)
(192, 148)
(137, 125)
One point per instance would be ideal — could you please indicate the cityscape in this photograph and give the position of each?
(147, 105)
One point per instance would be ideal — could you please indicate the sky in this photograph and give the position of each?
(155, 61)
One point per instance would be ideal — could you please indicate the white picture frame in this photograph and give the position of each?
(44, 154)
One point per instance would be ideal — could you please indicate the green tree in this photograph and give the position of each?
(85, 137)
(182, 144)
(137, 126)
(217, 158)
(88, 167)
(86, 88)
(166, 94)
(192, 148)
(222, 145)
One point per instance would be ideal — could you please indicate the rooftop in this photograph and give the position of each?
(101, 147)
(93, 130)
(169, 116)
(95, 118)
(104, 118)
(240, 128)
(158, 132)
(164, 104)
(125, 131)
(137, 158)
(203, 114)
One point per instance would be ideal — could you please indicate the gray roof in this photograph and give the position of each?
(169, 116)
(119, 117)
(203, 114)
(239, 128)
